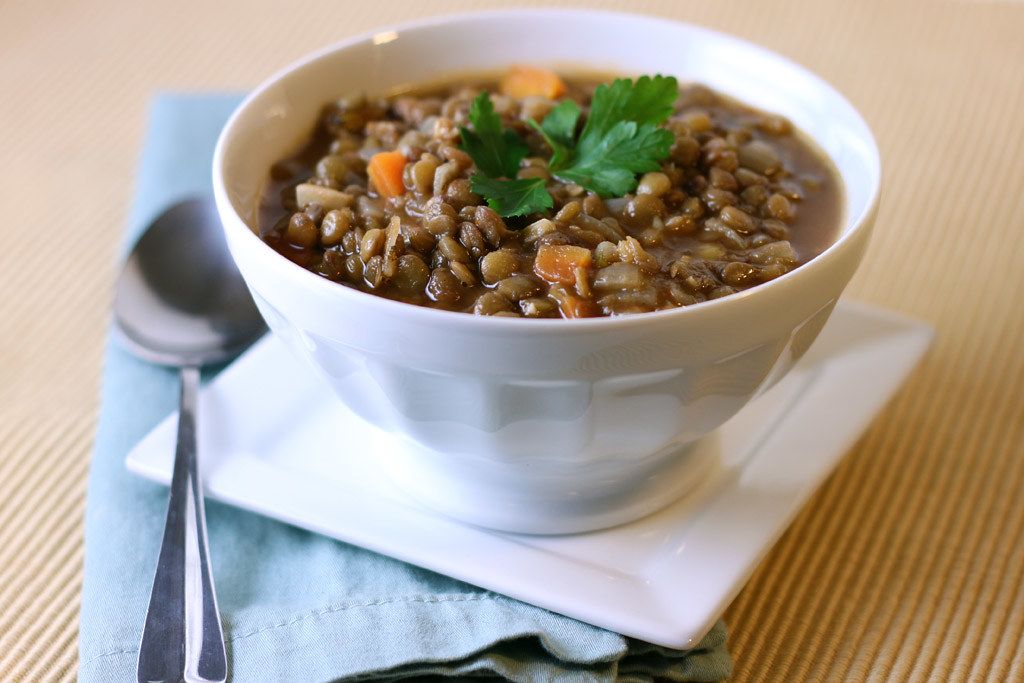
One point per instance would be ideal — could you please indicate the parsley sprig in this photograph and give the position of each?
(497, 153)
(621, 138)
(517, 197)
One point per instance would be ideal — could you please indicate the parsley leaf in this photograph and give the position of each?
(621, 137)
(560, 123)
(559, 131)
(513, 197)
(495, 151)
(649, 100)
(609, 165)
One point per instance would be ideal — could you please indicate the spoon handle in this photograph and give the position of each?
(182, 639)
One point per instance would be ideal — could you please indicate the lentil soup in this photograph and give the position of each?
(385, 197)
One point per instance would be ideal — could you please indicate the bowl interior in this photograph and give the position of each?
(278, 117)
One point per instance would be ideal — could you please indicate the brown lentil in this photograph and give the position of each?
(654, 183)
(334, 225)
(463, 273)
(780, 208)
(412, 274)
(497, 265)
(738, 220)
(517, 287)
(302, 231)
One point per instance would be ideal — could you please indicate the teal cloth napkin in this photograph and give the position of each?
(298, 606)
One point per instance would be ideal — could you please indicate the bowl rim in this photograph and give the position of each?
(501, 324)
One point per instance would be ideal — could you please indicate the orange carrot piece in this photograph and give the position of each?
(558, 262)
(385, 171)
(576, 307)
(523, 80)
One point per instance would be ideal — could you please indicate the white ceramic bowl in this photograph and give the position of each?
(541, 426)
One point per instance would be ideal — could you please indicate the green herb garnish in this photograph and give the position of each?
(620, 139)
(559, 131)
(495, 151)
(513, 197)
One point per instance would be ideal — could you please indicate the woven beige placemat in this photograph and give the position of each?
(908, 564)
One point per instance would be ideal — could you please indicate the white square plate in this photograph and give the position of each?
(264, 423)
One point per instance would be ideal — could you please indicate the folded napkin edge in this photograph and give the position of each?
(475, 633)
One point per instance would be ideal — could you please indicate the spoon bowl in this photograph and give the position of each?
(180, 299)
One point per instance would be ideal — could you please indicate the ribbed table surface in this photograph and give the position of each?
(907, 565)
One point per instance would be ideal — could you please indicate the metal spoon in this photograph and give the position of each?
(180, 301)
